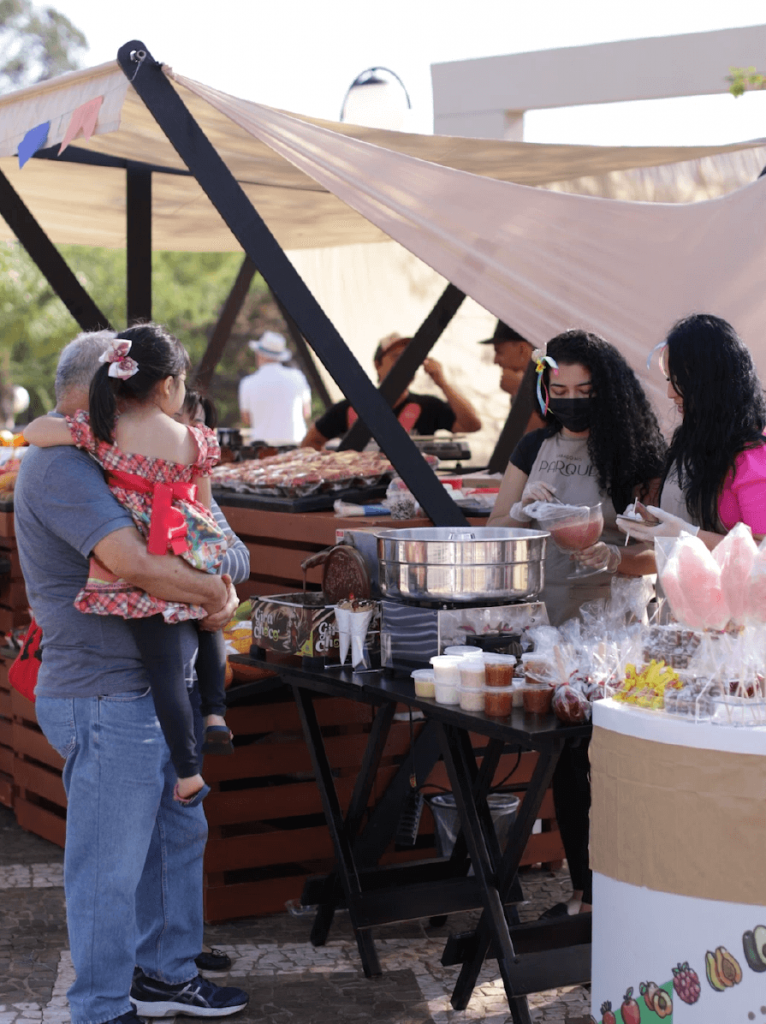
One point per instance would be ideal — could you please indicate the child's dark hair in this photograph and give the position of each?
(158, 355)
(195, 398)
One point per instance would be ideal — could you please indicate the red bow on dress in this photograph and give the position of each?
(168, 525)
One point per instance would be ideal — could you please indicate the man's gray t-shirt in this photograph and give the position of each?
(62, 509)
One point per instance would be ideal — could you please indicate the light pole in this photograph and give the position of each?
(377, 98)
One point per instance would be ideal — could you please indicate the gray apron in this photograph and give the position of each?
(563, 463)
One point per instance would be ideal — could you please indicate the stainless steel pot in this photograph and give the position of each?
(462, 564)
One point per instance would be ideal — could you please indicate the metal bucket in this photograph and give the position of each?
(462, 564)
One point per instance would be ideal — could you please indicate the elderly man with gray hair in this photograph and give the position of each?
(133, 857)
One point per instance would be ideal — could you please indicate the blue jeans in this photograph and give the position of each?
(133, 856)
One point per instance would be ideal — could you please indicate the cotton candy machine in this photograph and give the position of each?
(444, 586)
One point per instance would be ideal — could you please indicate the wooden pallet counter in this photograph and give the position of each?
(267, 830)
(279, 541)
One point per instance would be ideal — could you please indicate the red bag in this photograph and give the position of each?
(22, 674)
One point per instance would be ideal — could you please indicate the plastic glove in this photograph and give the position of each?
(519, 513)
(669, 526)
(537, 491)
(600, 556)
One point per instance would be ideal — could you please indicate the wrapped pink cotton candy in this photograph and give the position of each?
(736, 556)
(692, 582)
(700, 576)
(756, 590)
(675, 594)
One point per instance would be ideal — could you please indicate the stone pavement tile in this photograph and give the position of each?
(332, 998)
(20, 847)
(290, 981)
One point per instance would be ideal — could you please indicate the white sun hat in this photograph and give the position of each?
(273, 345)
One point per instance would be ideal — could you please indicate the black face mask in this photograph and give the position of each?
(572, 413)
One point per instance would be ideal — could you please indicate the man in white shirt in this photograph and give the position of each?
(275, 401)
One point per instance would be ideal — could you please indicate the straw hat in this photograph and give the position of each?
(272, 345)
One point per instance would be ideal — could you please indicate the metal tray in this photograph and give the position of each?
(308, 503)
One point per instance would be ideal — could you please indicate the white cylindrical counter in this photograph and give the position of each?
(678, 850)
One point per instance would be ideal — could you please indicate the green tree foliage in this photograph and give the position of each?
(35, 44)
(743, 79)
(189, 292)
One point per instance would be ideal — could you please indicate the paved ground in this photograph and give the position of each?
(289, 981)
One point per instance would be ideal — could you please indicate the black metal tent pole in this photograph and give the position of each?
(522, 408)
(48, 259)
(139, 243)
(406, 365)
(223, 190)
(222, 329)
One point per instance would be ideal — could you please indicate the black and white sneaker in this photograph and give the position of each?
(196, 998)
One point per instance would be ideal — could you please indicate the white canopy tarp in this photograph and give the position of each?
(541, 259)
(86, 205)
(544, 260)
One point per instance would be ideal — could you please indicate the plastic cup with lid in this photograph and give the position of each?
(498, 701)
(446, 678)
(424, 682)
(499, 669)
(471, 698)
(472, 671)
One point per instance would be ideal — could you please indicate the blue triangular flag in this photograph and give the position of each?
(32, 141)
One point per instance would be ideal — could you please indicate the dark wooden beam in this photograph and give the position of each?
(522, 408)
(48, 259)
(139, 243)
(228, 197)
(92, 158)
(222, 330)
(408, 363)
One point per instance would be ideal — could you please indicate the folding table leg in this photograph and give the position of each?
(461, 767)
(343, 852)
(509, 865)
(365, 780)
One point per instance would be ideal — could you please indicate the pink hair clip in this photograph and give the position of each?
(116, 354)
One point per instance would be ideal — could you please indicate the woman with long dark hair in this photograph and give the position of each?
(601, 443)
(715, 474)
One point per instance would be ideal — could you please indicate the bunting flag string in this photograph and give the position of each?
(32, 141)
(83, 119)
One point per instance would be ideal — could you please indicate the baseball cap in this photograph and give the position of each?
(504, 333)
(390, 341)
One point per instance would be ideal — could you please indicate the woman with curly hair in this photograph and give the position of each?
(601, 443)
(715, 475)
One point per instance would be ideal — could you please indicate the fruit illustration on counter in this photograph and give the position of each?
(648, 990)
(630, 1010)
(607, 1016)
(656, 998)
(754, 945)
(722, 969)
(663, 1004)
(686, 982)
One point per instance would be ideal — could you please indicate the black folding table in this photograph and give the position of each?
(531, 957)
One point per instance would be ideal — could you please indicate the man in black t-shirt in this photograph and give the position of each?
(418, 414)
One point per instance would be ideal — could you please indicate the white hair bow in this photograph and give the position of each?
(116, 354)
